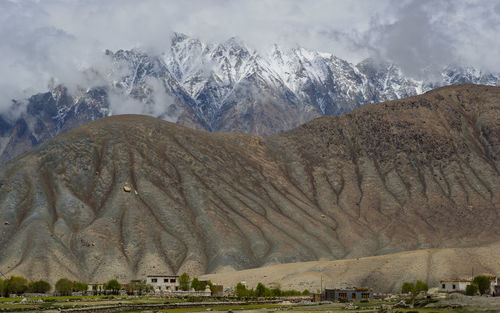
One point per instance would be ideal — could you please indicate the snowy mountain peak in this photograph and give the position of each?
(224, 86)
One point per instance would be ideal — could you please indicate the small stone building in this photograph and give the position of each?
(454, 285)
(348, 295)
(162, 283)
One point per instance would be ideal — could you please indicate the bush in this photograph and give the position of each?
(40, 286)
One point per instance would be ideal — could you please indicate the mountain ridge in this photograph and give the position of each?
(396, 176)
(223, 86)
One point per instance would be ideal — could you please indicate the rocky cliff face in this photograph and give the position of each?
(221, 87)
(402, 175)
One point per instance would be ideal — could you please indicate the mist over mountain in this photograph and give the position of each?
(218, 87)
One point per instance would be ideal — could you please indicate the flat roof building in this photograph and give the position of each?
(348, 294)
(454, 285)
(162, 283)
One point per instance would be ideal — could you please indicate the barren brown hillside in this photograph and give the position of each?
(383, 273)
(403, 175)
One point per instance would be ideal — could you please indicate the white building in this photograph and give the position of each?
(454, 285)
(95, 288)
(163, 283)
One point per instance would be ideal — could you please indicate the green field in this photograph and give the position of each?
(53, 304)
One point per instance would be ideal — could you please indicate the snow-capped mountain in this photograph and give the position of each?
(223, 86)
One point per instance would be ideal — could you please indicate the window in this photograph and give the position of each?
(443, 286)
(154, 280)
(453, 286)
(353, 295)
(365, 295)
(172, 280)
(165, 280)
(342, 295)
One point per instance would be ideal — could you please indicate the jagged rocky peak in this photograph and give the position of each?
(457, 74)
(228, 86)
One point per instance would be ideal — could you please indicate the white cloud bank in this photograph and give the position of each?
(57, 39)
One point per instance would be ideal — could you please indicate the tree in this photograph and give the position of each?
(40, 286)
(420, 286)
(3, 288)
(113, 285)
(471, 290)
(261, 290)
(64, 287)
(136, 287)
(306, 292)
(408, 287)
(79, 286)
(482, 283)
(197, 285)
(276, 292)
(184, 282)
(240, 290)
(17, 285)
(213, 289)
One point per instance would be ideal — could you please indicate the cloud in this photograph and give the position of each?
(428, 35)
(61, 39)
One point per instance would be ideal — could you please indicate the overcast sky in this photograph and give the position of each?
(45, 39)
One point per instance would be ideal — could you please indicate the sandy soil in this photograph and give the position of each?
(382, 273)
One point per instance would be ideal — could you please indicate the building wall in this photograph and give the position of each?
(453, 286)
(163, 283)
(347, 295)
